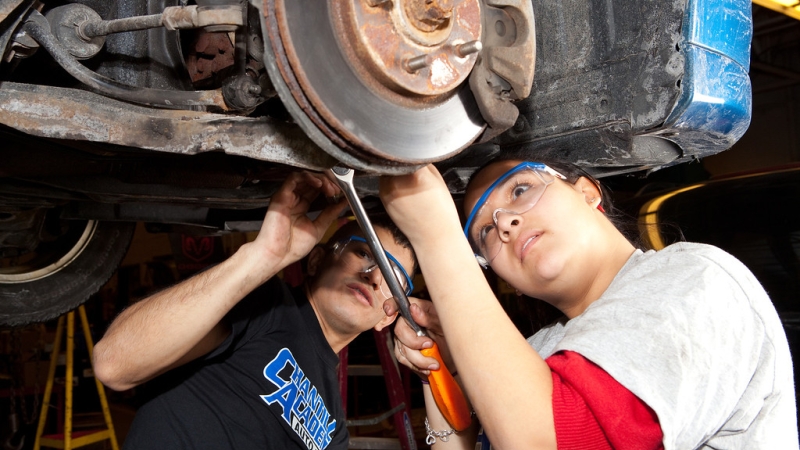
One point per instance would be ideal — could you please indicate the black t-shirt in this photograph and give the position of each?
(271, 385)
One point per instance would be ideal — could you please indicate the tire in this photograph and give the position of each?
(62, 277)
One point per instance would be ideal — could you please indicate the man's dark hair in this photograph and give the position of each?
(382, 220)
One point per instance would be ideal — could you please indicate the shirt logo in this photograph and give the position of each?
(303, 408)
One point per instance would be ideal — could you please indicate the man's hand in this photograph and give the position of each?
(287, 234)
(183, 322)
(408, 345)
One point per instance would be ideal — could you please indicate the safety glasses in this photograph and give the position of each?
(514, 193)
(355, 254)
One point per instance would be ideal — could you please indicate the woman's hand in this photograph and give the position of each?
(418, 202)
(408, 345)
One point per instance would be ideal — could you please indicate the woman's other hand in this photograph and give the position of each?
(408, 345)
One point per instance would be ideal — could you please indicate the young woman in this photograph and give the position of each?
(675, 349)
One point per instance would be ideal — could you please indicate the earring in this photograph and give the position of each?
(599, 204)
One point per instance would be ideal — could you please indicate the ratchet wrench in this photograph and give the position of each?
(447, 393)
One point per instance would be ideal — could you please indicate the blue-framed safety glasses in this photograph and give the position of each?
(354, 251)
(515, 192)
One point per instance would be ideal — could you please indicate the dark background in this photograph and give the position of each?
(156, 260)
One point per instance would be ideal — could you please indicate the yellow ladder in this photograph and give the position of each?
(69, 439)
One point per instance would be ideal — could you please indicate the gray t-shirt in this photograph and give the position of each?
(691, 332)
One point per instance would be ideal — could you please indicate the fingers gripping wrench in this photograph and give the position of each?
(446, 391)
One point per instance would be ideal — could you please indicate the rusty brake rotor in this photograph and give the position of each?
(379, 83)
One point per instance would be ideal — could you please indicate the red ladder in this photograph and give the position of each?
(398, 391)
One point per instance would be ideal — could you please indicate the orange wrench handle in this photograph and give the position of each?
(447, 393)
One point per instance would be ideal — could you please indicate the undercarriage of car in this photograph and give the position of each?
(186, 113)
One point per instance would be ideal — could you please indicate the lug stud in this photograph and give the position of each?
(468, 48)
(417, 63)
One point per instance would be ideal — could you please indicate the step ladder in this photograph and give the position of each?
(399, 399)
(70, 439)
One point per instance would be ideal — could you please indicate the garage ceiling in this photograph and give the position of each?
(775, 53)
(789, 7)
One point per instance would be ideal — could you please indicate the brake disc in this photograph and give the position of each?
(376, 83)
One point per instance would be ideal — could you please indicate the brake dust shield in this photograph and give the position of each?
(378, 84)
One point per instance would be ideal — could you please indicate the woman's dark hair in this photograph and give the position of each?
(625, 223)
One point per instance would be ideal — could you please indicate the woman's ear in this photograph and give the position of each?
(315, 258)
(591, 192)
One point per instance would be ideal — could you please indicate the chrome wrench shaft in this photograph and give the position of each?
(344, 178)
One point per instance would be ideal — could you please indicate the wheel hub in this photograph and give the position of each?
(424, 47)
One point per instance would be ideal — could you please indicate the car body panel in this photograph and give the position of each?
(715, 106)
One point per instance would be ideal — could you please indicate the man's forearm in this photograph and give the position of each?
(178, 324)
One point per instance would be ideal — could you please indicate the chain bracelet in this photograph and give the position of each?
(443, 435)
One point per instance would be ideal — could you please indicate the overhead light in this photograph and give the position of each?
(789, 7)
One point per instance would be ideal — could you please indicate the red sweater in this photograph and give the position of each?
(593, 411)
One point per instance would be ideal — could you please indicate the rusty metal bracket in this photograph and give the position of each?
(61, 113)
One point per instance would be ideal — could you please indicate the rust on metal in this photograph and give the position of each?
(273, 21)
(220, 17)
(429, 15)
(374, 42)
(384, 39)
(62, 113)
(211, 54)
(177, 17)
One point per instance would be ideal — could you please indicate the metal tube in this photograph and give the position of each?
(101, 390)
(68, 379)
(38, 28)
(89, 30)
(48, 387)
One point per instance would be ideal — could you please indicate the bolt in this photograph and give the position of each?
(468, 48)
(417, 63)
(440, 10)
(81, 30)
(254, 89)
(429, 15)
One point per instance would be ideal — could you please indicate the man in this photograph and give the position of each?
(242, 360)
